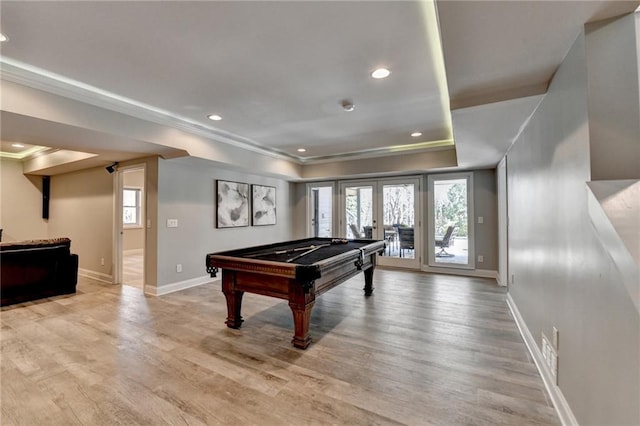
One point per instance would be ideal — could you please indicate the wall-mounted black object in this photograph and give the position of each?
(112, 168)
(46, 189)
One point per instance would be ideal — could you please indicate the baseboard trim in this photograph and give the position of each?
(482, 273)
(177, 286)
(559, 402)
(94, 275)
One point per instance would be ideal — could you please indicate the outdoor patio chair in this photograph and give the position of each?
(355, 231)
(405, 237)
(444, 242)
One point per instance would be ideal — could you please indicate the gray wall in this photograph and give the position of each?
(613, 98)
(486, 205)
(562, 275)
(186, 191)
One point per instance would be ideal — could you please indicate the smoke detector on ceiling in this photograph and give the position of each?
(347, 105)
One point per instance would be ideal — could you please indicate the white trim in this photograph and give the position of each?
(471, 219)
(559, 402)
(482, 273)
(503, 222)
(94, 275)
(40, 79)
(309, 207)
(177, 286)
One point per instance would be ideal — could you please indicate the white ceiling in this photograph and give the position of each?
(277, 71)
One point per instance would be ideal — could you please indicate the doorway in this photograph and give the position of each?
(131, 229)
(320, 209)
(451, 243)
(385, 209)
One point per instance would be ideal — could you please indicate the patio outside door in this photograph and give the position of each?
(385, 210)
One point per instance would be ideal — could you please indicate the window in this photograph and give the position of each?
(131, 208)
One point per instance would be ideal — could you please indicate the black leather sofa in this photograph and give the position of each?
(36, 269)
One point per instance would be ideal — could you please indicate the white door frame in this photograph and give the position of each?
(334, 220)
(342, 221)
(503, 223)
(431, 248)
(377, 216)
(402, 262)
(118, 227)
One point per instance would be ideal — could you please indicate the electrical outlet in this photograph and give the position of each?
(172, 223)
(480, 219)
(480, 258)
(179, 267)
(102, 261)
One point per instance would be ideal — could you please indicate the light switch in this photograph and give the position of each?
(480, 219)
(172, 223)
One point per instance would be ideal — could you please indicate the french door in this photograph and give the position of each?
(384, 209)
(451, 235)
(320, 208)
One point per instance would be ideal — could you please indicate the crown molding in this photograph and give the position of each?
(40, 79)
(23, 154)
(382, 152)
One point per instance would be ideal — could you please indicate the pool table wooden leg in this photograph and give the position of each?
(234, 300)
(368, 281)
(301, 304)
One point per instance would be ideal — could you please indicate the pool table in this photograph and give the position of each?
(297, 271)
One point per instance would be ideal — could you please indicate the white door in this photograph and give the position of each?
(451, 243)
(385, 209)
(320, 221)
(400, 222)
(358, 209)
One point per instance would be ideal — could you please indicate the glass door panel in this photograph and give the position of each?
(358, 202)
(400, 222)
(320, 210)
(398, 216)
(451, 224)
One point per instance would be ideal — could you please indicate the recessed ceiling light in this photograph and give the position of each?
(17, 145)
(302, 150)
(381, 73)
(214, 117)
(416, 134)
(3, 37)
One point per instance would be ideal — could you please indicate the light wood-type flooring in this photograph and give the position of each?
(424, 349)
(133, 268)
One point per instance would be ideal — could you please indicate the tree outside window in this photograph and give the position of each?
(451, 207)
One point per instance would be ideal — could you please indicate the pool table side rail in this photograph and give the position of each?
(268, 267)
(289, 270)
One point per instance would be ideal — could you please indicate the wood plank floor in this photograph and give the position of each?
(424, 349)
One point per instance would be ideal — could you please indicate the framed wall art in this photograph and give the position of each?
(263, 207)
(232, 208)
